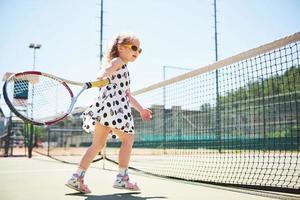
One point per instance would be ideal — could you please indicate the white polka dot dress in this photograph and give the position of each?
(112, 106)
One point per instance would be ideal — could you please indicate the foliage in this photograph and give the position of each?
(286, 83)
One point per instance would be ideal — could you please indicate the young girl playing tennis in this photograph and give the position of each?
(112, 112)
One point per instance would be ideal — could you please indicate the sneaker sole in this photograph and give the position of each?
(74, 188)
(120, 187)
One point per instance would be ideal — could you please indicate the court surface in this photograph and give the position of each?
(43, 178)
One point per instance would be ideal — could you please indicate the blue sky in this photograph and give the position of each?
(172, 33)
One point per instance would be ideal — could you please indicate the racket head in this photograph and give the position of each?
(37, 97)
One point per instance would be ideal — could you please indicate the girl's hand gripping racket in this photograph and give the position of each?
(41, 98)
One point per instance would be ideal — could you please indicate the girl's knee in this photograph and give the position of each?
(128, 139)
(95, 147)
(125, 138)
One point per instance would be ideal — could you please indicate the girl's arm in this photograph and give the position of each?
(145, 113)
(113, 65)
(135, 104)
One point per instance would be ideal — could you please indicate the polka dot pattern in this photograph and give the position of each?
(112, 106)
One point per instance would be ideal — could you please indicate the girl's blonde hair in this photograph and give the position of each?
(121, 39)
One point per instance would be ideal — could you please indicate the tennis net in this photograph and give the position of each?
(234, 122)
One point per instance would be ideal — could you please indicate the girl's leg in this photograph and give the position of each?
(122, 180)
(125, 149)
(99, 139)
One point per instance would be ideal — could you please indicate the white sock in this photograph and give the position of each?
(80, 172)
(123, 171)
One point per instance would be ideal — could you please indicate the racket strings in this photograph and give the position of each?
(39, 98)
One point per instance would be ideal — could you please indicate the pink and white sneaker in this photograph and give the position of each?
(77, 184)
(123, 182)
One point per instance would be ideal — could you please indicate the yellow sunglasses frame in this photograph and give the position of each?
(139, 50)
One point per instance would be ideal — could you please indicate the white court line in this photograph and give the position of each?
(32, 171)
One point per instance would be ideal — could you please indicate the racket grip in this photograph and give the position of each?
(99, 83)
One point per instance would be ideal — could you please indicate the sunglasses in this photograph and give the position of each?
(133, 48)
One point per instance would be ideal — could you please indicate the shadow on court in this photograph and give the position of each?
(117, 196)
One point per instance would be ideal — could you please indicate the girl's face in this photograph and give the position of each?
(130, 52)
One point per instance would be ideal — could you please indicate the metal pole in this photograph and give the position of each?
(33, 67)
(101, 32)
(31, 125)
(101, 56)
(216, 32)
(164, 110)
(25, 137)
(34, 47)
(30, 140)
(164, 101)
(8, 136)
(218, 113)
(264, 114)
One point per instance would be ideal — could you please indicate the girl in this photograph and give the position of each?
(112, 112)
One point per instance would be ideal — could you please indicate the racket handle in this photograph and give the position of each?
(99, 83)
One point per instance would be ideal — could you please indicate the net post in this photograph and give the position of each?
(8, 136)
(25, 138)
(30, 146)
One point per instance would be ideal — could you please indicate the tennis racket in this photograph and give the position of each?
(41, 98)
